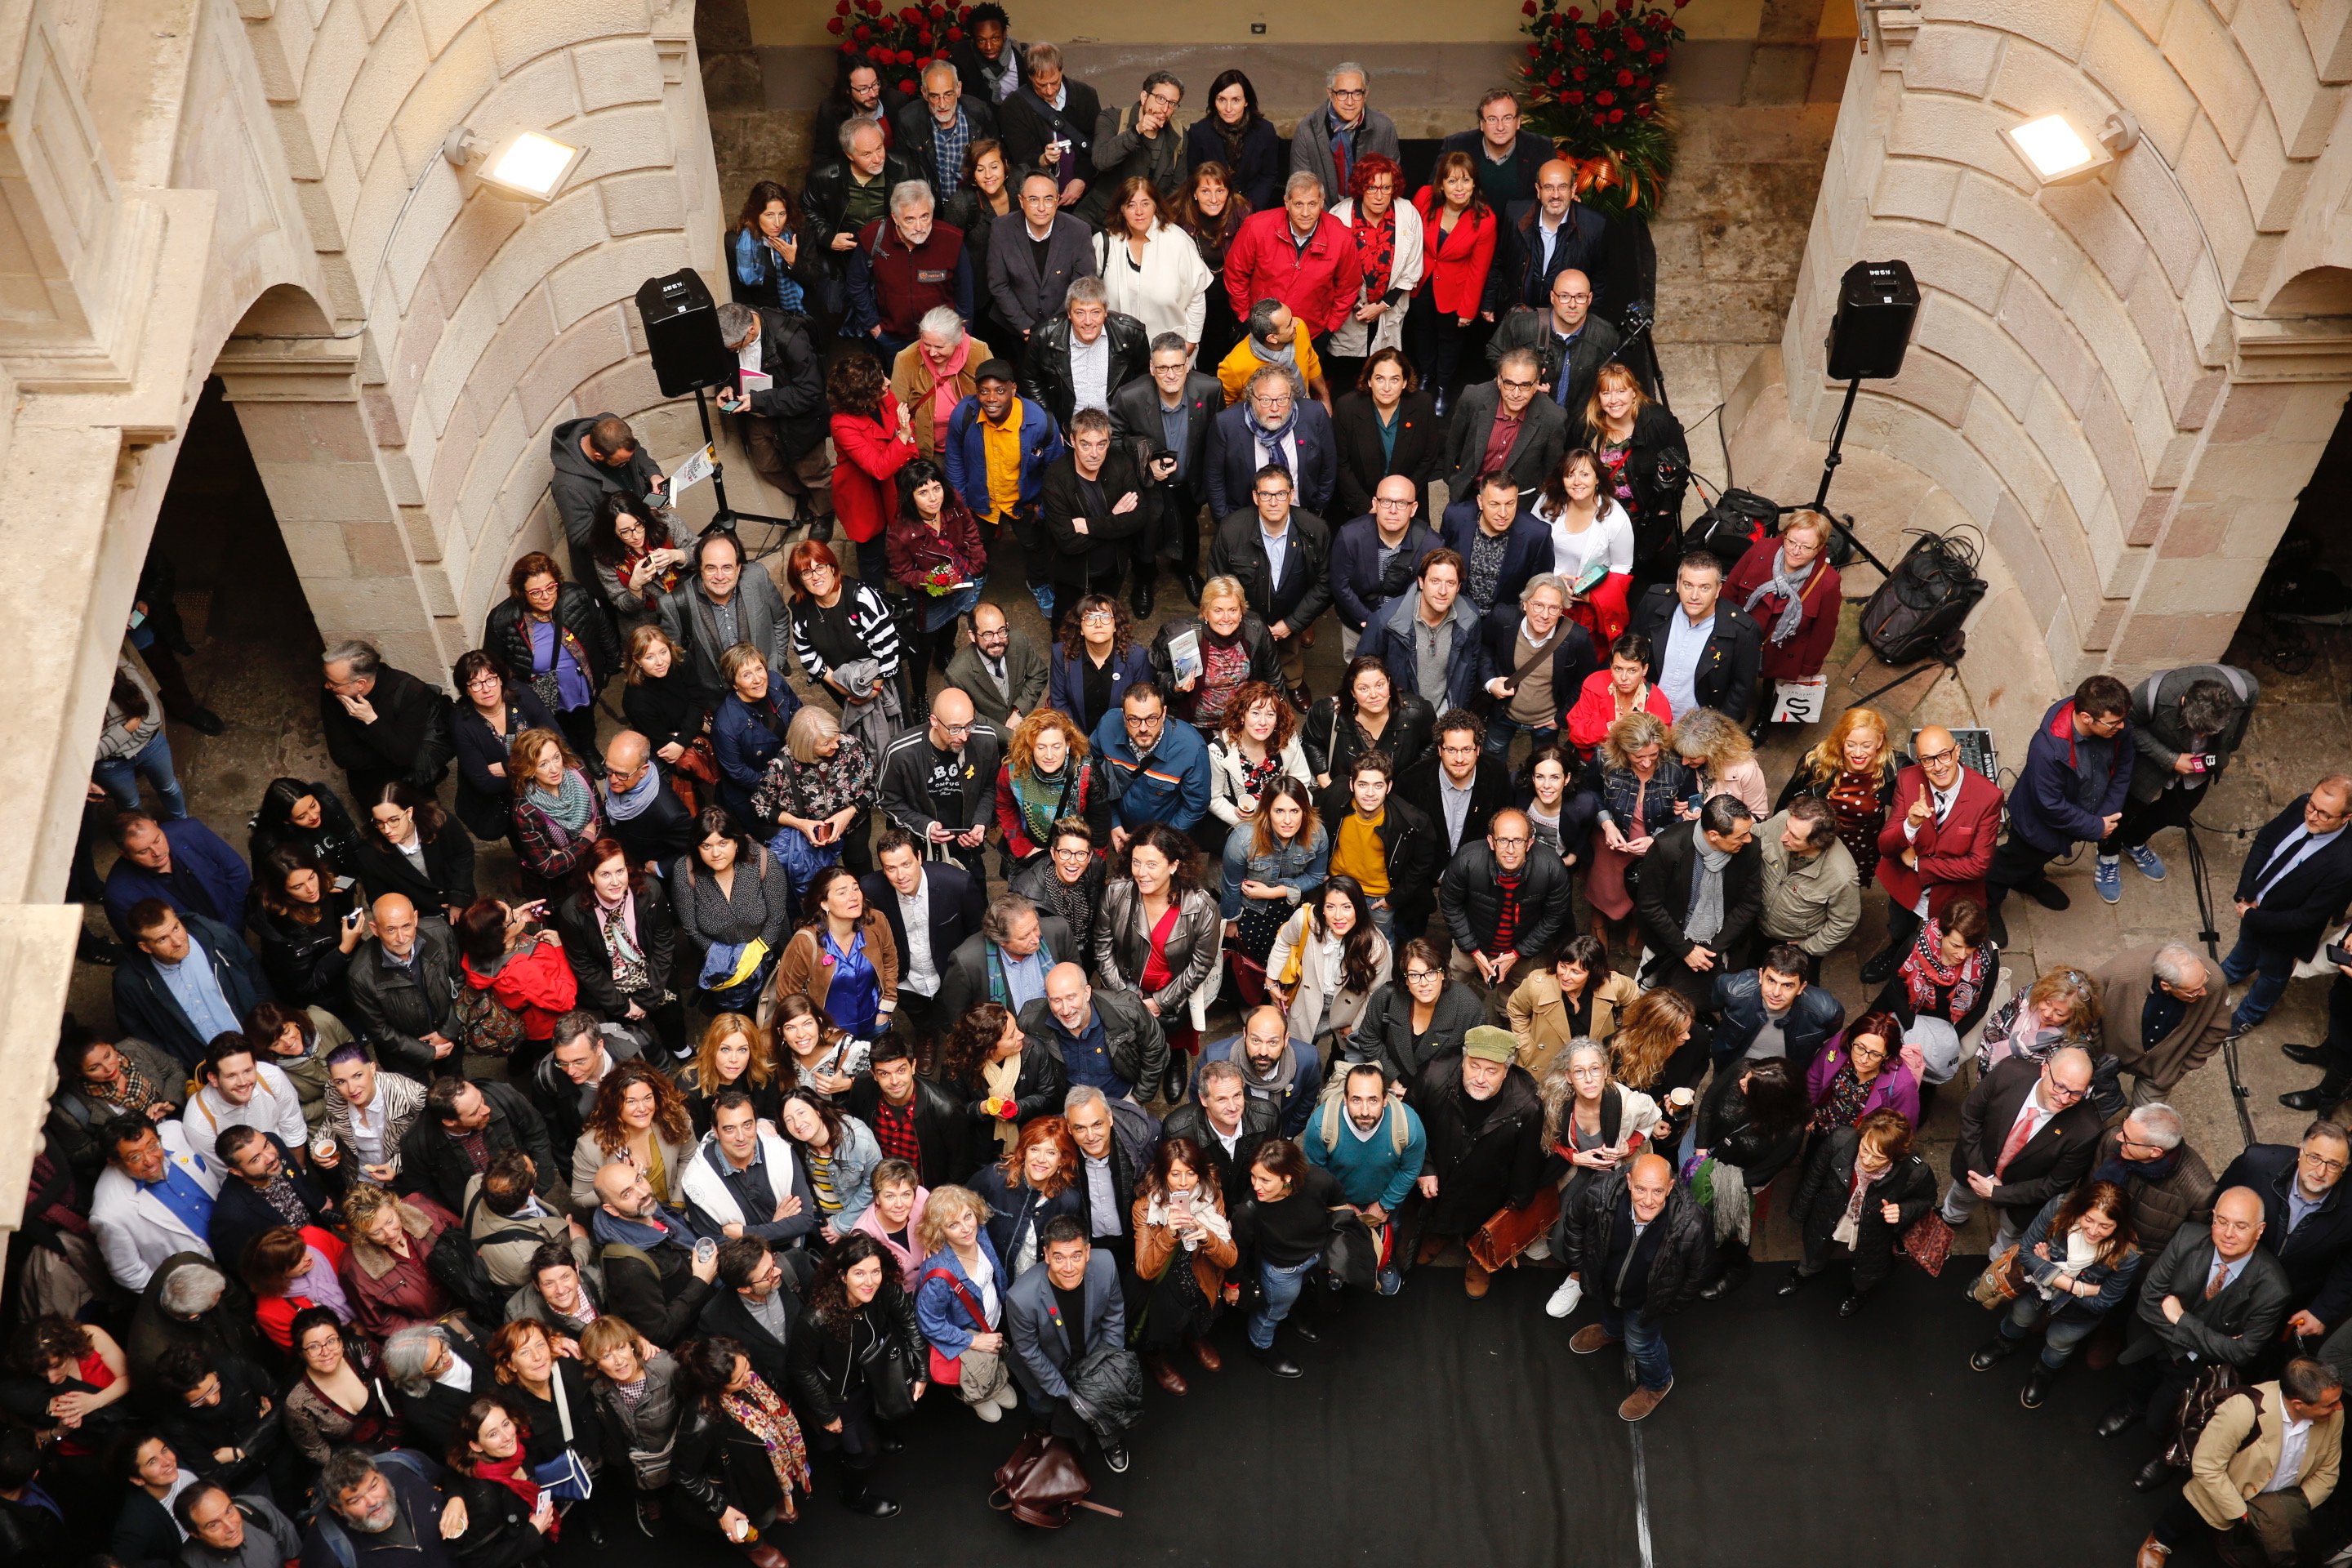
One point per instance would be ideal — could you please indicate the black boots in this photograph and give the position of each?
(858, 1499)
(1737, 1264)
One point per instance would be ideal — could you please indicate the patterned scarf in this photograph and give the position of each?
(130, 1092)
(1792, 586)
(1045, 799)
(758, 1411)
(1375, 243)
(1924, 972)
(571, 807)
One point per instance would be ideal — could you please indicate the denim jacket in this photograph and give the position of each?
(2114, 1283)
(1615, 787)
(1300, 867)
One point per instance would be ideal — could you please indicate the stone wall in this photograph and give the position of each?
(2128, 380)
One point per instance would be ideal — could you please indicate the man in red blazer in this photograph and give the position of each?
(1936, 846)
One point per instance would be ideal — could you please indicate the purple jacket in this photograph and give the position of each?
(1895, 1085)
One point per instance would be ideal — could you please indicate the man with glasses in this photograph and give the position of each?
(2307, 1221)
(1461, 788)
(756, 1307)
(2163, 1012)
(1281, 558)
(653, 825)
(2291, 891)
(939, 783)
(1066, 881)
(2076, 775)
(1300, 255)
(1936, 846)
(1270, 336)
(1374, 557)
(1509, 162)
(1166, 417)
(939, 131)
(1142, 142)
(1329, 144)
(1501, 426)
(1030, 269)
(2027, 1133)
(1536, 661)
(1543, 238)
(1157, 767)
(1506, 899)
(2147, 1155)
(1000, 669)
(1570, 344)
(1272, 425)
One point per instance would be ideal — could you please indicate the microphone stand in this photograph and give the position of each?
(1820, 502)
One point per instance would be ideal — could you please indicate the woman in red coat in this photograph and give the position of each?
(503, 950)
(1457, 240)
(1789, 587)
(873, 439)
(933, 544)
(1608, 695)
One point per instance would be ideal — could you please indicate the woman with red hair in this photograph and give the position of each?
(843, 632)
(1389, 246)
(1036, 1180)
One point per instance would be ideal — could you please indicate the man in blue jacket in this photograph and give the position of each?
(1377, 1156)
(1025, 443)
(1286, 1073)
(2077, 773)
(1375, 557)
(188, 980)
(1157, 767)
(185, 864)
(1501, 544)
(1428, 636)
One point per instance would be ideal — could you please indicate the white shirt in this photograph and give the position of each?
(1685, 644)
(274, 1106)
(984, 1279)
(2297, 1437)
(457, 1374)
(1091, 371)
(920, 973)
(368, 1128)
(747, 357)
(1610, 536)
(1942, 801)
(2033, 1114)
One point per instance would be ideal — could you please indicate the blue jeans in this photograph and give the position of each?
(1501, 729)
(1282, 1286)
(119, 776)
(2058, 1342)
(2272, 970)
(1647, 1339)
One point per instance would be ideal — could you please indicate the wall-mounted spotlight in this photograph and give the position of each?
(2057, 153)
(527, 165)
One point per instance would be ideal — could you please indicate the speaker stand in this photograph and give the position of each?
(726, 516)
(1820, 502)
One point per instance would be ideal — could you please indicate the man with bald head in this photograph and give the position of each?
(1570, 342)
(1543, 238)
(1506, 899)
(1104, 1039)
(404, 983)
(1285, 1072)
(939, 783)
(1375, 557)
(653, 1279)
(646, 814)
(1000, 669)
(2214, 1297)
(1936, 847)
(2028, 1130)
(1642, 1247)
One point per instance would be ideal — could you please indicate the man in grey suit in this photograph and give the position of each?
(1358, 129)
(1539, 427)
(1029, 268)
(1000, 669)
(2215, 1297)
(1066, 1307)
(722, 604)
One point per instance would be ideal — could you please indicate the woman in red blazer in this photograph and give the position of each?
(1458, 239)
(873, 439)
(1798, 655)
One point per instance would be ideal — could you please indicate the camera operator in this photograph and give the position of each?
(2186, 724)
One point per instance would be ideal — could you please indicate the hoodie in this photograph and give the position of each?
(581, 484)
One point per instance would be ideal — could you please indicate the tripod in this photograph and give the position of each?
(726, 516)
(1820, 502)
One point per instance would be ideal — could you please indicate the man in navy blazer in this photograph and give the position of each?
(1272, 423)
(1362, 581)
(1495, 514)
(1046, 1346)
(221, 972)
(2297, 880)
(184, 863)
(953, 907)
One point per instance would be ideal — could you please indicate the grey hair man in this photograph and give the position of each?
(1333, 140)
(2164, 1012)
(383, 725)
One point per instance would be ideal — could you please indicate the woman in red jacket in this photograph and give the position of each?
(1457, 238)
(1608, 695)
(520, 964)
(1789, 587)
(934, 545)
(873, 439)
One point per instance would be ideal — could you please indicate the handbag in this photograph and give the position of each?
(2215, 1384)
(946, 1369)
(481, 1024)
(695, 775)
(1042, 1482)
(566, 1477)
(1928, 1242)
(1509, 1231)
(1350, 1254)
(892, 1386)
(2000, 1283)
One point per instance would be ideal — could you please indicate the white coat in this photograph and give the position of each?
(1168, 294)
(137, 1230)
(1349, 341)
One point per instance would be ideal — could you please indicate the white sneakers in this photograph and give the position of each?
(1564, 1299)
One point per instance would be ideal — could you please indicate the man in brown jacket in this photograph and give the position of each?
(2163, 1012)
(2267, 1458)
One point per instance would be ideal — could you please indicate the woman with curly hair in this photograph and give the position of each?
(1854, 768)
(556, 812)
(1257, 744)
(1160, 935)
(385, 1274)
(337, 1400)
(1035, 1180)
(1640, 793)
(1273, 864)
(554, 636)
(1327, 961)
(1007, 1080)
(1655, 1050)
(734, 1053)
(843, 958)
(734, 1460)
(640, 1117)
(855, 1348)
(1096, 662)
(1388, 246)
(637, 561)
(960, 1303)
(1046, 777)
(1235, 651)
(61, 1372)
(873, 439)
(1860, 1070)
(1719, 756)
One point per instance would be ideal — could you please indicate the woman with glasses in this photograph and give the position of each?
(750, 726)
(490, 711)
(1388, 249)
(842, 634)
(1047, 778)
(1419, 1016)
(554, 636)
(1639, 790)
(637, 560)
(1096, 662)
(1068, 879)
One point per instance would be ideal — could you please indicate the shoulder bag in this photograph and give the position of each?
(565, 1477)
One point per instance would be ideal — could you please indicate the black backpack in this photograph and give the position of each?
(1916, 613)
(1737, 520)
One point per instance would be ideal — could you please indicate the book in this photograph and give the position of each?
(756, 381)
(1184, 655)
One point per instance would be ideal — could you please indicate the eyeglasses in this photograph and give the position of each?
(1163, 100)
(1513, 843)
(1943, 756)
(2322, 1164)
(1072, 851)
(2061, 1092)
(1386, 501)
(1096, 618)
(1276, 494)
(1415, 976)
(1573, 299)
(952, 731)
(1350, 93)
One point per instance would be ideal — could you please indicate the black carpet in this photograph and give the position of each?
(1431, 1428)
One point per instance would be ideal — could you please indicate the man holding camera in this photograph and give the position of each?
(2186, 724)
(1167, 415)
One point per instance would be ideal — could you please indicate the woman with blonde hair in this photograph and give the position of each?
(960, 1302)
(1234, 650)
(819, 789)
(659, 701)
(1045, 778)
(2060, 1009)
(1718, 752)
(735, 1052)
(1638, 790)
(1854, 768)
(1630, 433)
(1273, 864)
(640, 1117)
(1789, 587)
(1654, 1051)
(557, 815)
(1257, 744)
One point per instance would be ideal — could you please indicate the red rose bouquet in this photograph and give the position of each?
(1591, 85)
(899, 42)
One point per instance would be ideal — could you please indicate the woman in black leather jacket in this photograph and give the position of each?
(856, 1323)
(1753, 1121)
(739, 1457)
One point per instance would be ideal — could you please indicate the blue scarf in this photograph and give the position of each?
(665, 1229)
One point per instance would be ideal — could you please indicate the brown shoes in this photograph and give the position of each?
(1591, 1338)
(1476, 1279)
(2153, 1554)
(1206, 1354)
(1165, 1376)
(1431, 1246)
(759, 1554)
(1642, 1401)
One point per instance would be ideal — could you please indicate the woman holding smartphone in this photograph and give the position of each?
(309, 920)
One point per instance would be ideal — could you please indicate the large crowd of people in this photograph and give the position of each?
(895, 1010)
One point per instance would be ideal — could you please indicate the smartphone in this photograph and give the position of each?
(2338, 954)
(345, 884)
(352, 921)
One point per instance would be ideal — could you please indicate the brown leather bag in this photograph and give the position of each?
(1509, 1231)
(1043, 1481)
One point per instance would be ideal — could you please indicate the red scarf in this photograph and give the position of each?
(512, 1474)
(1376, 245)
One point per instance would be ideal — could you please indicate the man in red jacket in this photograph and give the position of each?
(1301, 255)
(1937, 844)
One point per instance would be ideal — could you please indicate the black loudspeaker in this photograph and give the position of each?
(682, 334)
(1877, 302)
